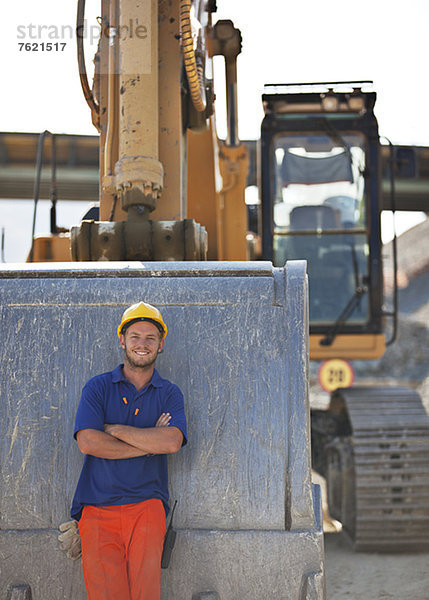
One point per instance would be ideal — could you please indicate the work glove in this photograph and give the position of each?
(70, 539)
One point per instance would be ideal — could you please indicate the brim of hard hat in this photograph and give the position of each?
(162, 327)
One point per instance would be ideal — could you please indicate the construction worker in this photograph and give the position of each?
(127, 422)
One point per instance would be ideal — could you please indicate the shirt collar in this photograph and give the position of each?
(156, 380)
(118, 375)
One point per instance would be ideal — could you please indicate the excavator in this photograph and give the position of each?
(170, 230)
(172, 226)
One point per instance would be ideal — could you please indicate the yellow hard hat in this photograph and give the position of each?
(143, 312)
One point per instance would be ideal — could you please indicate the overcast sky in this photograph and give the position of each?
(283, 41)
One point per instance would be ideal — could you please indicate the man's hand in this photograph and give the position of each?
(164, 420)
(110, 429)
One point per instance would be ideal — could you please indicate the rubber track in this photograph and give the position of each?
(391, 464)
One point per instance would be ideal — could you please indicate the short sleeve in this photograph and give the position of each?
(90, 412)
(176, 408)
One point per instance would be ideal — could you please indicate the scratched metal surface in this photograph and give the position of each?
(286, 564)
(237, 348)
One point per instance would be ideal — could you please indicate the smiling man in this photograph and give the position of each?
(127, 422)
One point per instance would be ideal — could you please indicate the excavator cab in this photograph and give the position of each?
(320, 202)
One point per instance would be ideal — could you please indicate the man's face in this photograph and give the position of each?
(142, 343)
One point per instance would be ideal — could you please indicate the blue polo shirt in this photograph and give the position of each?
(110, 398)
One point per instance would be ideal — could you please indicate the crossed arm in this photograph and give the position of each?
(124, 441)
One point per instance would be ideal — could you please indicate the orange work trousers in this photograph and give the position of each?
(121, 550)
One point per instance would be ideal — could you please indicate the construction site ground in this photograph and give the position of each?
(373, 576)
(354, 575)
(357, 576)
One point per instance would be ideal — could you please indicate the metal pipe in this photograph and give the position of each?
(231, 102)
(226, 41)
(394, 245)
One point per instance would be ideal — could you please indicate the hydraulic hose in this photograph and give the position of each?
(87, 92)
(194, 70)
(53, 191)
(111, 98)
(39, 164)
(54, 194)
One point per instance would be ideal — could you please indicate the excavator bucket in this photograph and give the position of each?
(248, 518)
